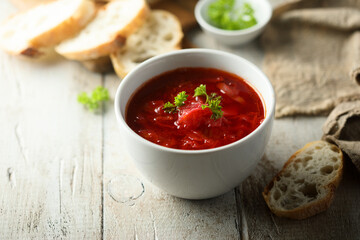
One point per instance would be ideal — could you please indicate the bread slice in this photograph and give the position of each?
(44, 26)
(306, 184)
(113, 23)
(26, 4)
(161, 33)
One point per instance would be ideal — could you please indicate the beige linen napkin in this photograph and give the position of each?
(343, 129)
(312, 55)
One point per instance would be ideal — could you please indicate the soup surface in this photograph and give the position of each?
(230, 110)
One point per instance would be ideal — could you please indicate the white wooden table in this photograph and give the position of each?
(59, 164)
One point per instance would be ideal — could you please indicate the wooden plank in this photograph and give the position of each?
(155, 214)
(50, 150)
(51, 169)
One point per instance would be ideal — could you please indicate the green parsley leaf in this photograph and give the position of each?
(169, 107)
(214, 106)
(200, 90)
(92, 102)
(179, 101)
(212, 102)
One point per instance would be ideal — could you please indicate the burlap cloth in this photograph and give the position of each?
(312, 55)
(343, 129)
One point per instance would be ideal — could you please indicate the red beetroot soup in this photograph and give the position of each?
(192, 126)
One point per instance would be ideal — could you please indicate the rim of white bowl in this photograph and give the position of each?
(121, 119)
(201, 3)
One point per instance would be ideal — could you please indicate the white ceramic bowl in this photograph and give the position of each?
(262, 11)
(196, 174)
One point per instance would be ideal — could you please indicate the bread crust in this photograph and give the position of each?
(314, 207)
(120, 69)
(29, 52)
(118, 65)
(115, 42)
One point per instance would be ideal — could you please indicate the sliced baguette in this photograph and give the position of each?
(161, 33)
(113, 23)
(26, 4)
(306, 184)
(44, 26)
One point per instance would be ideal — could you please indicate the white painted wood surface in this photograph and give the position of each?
(59, 165)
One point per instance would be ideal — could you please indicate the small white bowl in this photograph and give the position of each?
(262, 12)
(196, 174)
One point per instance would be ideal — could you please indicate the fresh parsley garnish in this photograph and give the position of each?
(212, 102)
(179, 101)
(214, 106)
(200, 90)
(92, 102)
(169, 107)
